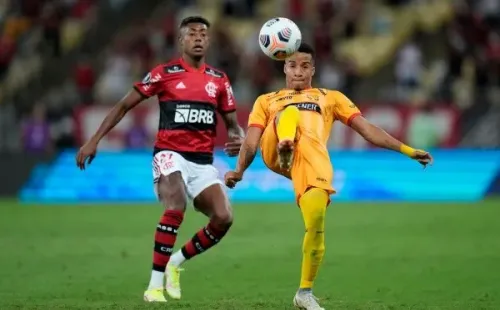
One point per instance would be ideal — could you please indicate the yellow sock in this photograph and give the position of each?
(287, 123)
(313, 206)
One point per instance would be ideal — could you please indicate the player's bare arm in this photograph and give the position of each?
(234, 132)
(246, 156)
(89, 149)
(381, 138)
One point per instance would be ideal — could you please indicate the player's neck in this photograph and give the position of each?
(196, 63)
(288, 87)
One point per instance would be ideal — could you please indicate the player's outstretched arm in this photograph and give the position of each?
(245, 158)
(89, 149)
(380, 138)
(235, 133)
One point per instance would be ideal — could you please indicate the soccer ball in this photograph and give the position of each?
(279, 38)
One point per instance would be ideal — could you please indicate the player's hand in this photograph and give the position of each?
(232, 148)
(87, 151)
(231, 178)
(423, 157)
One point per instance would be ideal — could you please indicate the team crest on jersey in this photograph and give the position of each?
(174, 69)
(213, 73)
(211, 89)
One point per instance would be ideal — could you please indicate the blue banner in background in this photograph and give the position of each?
(457, 175)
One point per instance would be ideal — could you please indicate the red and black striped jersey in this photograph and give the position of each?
(189, 99)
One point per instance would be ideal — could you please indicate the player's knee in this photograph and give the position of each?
(222, 218)
(172, 192)
(313, 205)
(291, 109)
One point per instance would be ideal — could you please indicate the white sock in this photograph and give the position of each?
(156, 280)
(177, 259)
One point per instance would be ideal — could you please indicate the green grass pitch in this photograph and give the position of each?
(378, 256)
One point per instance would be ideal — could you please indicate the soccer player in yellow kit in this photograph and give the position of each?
(292, 127)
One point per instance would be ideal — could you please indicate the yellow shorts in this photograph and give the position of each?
(311, 162)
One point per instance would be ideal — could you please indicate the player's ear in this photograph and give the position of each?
(284, 67)
(313, 71)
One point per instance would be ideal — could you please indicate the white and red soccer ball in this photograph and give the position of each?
(279, 38)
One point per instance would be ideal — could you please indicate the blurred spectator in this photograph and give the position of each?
(424, 128)
(397, 2)
(490, 11)
(260, 71)
(409, 68)
(84, 78)
(4, 8)
(238, 8)
(116, 77)
(32, 8)
(137, 136)
(353, 13)
(156, 41)
(331, 76)
(117, 4)
(36, 131)
(323, 41)
(296, 10)
(15, 26)
(170, 29)
(227, 58)
(79, 8)
(52, 22)
(141, 48)
(325, 10)
(7, 51)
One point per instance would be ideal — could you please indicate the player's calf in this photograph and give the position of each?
(214, 204)
(313, 205)
(172, 194)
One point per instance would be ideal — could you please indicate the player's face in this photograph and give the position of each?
(194, 39)
(299, 70)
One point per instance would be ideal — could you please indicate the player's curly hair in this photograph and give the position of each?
(194, 20)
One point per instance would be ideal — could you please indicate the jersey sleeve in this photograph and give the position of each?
(343, 108)
(259, 116)
(152, 83)
(226, 102)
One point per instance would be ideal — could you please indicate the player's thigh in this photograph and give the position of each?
(268, 144)
(208, 193)
(170, 175)
(214, 203)
(308, 173)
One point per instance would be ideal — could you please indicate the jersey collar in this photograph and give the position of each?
(188, 68)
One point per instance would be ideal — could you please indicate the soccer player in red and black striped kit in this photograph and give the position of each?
(190, 94)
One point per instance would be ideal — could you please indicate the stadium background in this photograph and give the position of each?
(426, 71)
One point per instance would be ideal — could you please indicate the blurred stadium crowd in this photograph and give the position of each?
(59, 56)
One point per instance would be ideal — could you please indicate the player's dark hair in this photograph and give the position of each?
(307, 49)
(194, 20)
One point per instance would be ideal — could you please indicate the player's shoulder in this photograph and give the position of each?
(268, 97)
(330, 92)
(214, 72)
(172, 67)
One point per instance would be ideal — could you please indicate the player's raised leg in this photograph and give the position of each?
(172, 194)
(313, 205)
(286, 129)
(212, 202)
